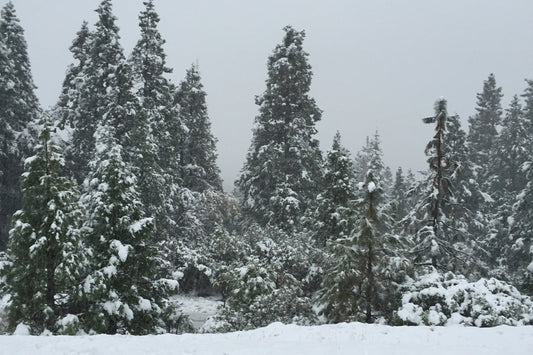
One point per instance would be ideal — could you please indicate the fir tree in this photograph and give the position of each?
(520, 255)
(19, 109)
(68, 104)
(371, 153)
(467, 226)
(282, 169)
(431, 244)
(399, 195)
(45, 244)
(362, 282)
(338, 192)
(121, 293)
(514, 149)
(162, 171)
(198, 155)
(483, 128)
(104, 56)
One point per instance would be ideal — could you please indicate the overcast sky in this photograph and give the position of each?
(378, 65)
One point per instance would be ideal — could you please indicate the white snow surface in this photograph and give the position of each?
(199, 309)
(352, 338)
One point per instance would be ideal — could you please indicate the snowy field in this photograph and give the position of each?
(354, 338)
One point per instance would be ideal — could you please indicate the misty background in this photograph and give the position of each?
(378, 65)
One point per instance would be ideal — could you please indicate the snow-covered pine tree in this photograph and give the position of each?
(483, 129)
(283, 167)
(361, 283)
(198, 154)
(48, 258)
(67, 107)
(19, 110)
(518, 132)
(105, 54)
(467, 226)
(520, 255)
(333, 206)
(121, 292)
(514, 149)
(432, 246)
(399, 195)
(369, 153)
(156, 95)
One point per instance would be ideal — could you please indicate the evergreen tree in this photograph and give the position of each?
(337, 195)
(362, 282)
(105, 55)
(121, 293)
(513, 144)
(282, 169)
(198, 154)
(162, 172)
(399, 195)
(467, 226)
(517, 133)
(68, 104)
(483, 129)
(48, 258)
(431, 244)
(520, 255)
(19, 109)
(371, 153)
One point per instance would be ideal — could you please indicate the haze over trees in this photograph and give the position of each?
(111, 202)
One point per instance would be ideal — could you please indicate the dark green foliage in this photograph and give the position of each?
(121, 293)
(432, 246)
(483, 129)
(361, 283)
(19, 110)
(100, 56)
(338, 192)
(48, 259)
(283, 166)
(198, 150)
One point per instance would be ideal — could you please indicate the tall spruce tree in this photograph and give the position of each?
(283, 166)
(483, 129)
(399, 194)
(198, 154)
(67, 107)
(520, 255)
(361, 284)
(48, 258)
(517, 132)
(19, 110)
(467, 226)
(121, 294)
(156, 93)
(334, 202)
(432, 246)
(104, 56)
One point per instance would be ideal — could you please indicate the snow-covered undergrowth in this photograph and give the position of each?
(353, 338)
(444, 299)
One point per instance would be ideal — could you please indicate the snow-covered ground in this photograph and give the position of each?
(198, 308)
(353, 338)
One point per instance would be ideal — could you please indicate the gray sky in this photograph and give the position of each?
(378, 65)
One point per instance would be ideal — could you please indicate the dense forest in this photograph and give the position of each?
(111, 202)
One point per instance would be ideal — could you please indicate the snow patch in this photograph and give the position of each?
(22, 329)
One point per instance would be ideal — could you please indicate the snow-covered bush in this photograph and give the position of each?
(259, 293)
(445, 299)
(174, 320)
